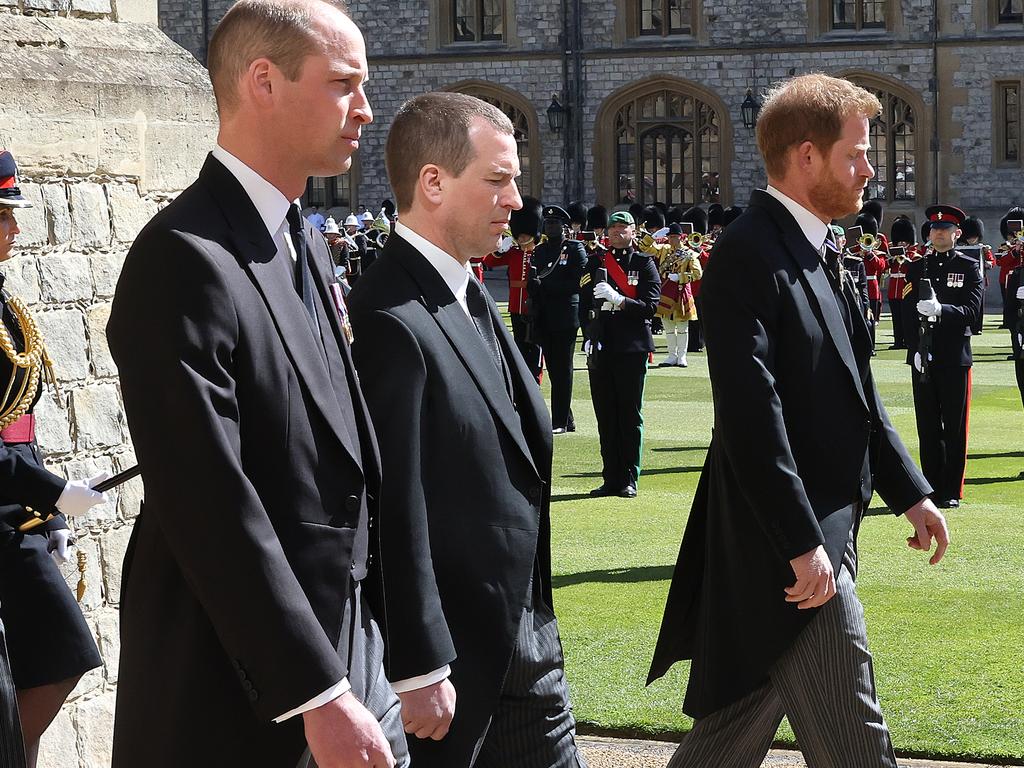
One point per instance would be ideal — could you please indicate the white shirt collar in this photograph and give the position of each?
(454, 274)
(814, 229)
(271, 205)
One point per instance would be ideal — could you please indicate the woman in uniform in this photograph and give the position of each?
(49, 644)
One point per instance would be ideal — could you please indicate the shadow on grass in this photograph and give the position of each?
(615, 576)
(646, 472)
(992, 480)
(570, 497)
(679, 448)
(1007, 455)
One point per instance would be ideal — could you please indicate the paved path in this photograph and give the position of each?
(626, 753)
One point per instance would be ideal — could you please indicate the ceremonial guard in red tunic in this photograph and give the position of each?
(516, 254)
(901, 236)
(1011, 254)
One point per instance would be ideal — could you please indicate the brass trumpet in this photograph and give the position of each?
(868, 242)
(696, 240)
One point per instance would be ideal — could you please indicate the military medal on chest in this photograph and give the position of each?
(633, 278)
(342, 307)
(955, 280)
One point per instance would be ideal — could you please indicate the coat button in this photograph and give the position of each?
(253, 695)
(352, 504)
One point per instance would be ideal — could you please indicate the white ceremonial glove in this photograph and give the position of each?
(917, 362)
(57, 544)
(589, 348)
(929, 308)
(78, 497)
(506, 244)
(605, 292)
(1020, 293)
(663, 232)
(674, 277)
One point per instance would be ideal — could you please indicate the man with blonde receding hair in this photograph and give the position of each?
(763, 598)
(246, 635)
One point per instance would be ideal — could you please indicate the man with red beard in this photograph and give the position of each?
(763, 598)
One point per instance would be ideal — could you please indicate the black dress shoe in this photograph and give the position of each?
(603, 490)
(629, 492)
(948, 504)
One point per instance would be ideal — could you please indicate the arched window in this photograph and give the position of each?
(667, 148)
(524, 122)
(893, 150)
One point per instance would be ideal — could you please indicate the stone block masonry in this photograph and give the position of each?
(108, 120)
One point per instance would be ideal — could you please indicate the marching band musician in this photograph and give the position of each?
(901, 235)
(942, 377)
(577, 220)
(554, 290)
(597, 222)
(973, 233)
(679, 266)
(1011, 256)
(515, 254)
(49, 644)
(698, 219)
(854, 264)
(875, 264)
(618, 346)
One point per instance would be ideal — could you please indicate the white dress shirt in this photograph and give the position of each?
(455, 274)
(272, 206)
(814, 229)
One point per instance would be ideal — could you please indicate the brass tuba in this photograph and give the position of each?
(696, 240)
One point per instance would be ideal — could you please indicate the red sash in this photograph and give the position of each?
(22, 430)
(617, 276)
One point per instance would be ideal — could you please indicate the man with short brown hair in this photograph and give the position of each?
(245, 631)
(763, 597)
(465, 441)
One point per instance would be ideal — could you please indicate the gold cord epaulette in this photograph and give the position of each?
(33, 361)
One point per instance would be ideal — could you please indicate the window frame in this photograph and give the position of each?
(999, 116)
(666, 31)
(1011, 19)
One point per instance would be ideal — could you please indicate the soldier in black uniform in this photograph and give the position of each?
(942, 377)
(554, 290)
(854, 264)
(619, 344)
(48, 642)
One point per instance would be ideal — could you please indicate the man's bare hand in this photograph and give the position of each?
(343, 734)
(928, 522)
(427, 712)
(815, 582)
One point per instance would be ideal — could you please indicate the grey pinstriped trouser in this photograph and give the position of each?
(824, 683)
(533, 726)
(12, 748)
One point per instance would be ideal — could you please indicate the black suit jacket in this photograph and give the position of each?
(796, 415)
(555, 297)
(238, 570)
(465, 505)
(958, 286)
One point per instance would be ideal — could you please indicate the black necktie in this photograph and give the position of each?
(303, 277)
(481, 315)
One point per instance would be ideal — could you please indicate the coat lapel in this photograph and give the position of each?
(255, 249)
(463, 337)
(816, 283)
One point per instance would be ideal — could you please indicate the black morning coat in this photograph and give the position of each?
(956, 280)
(465, 507)
(241, 562)
(796, 411)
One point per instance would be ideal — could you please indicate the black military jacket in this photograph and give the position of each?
(627, 329)
(555, 294)
(958, 287)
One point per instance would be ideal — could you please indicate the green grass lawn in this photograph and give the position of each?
(948, 641)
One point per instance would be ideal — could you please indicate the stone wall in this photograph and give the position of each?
(108, 121)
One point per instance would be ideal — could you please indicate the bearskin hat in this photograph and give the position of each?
(597, 218)
(699, 218)
(867, 222)
(1011, 215)
(972, 227)
(730, 214)
(577, 213)
(528, 219)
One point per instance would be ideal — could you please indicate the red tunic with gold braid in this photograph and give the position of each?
(518, 262)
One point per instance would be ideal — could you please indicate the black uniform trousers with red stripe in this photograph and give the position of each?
(942, 407)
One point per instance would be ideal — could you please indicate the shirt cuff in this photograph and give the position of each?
(330, 694)
(421, 681)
